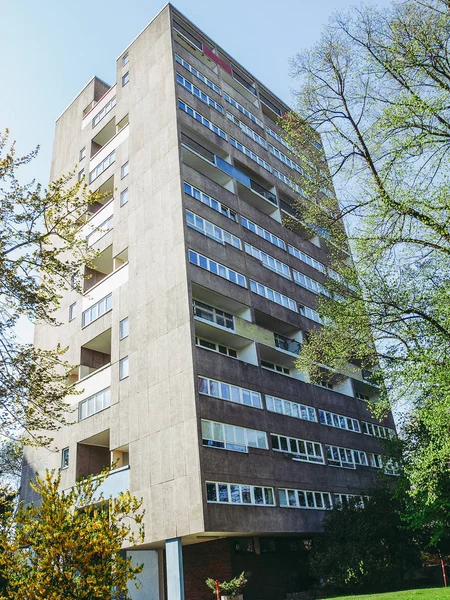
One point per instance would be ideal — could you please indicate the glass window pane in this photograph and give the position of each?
(223, 492)
(211, 493)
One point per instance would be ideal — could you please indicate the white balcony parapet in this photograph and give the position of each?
(99, 224)
(110, 283)
(117, 481)
(113, 143)
(98, 107)
(91, 384)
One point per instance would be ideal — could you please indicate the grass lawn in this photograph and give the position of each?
(426, 594)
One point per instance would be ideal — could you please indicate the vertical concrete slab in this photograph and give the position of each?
(148, 580)
(174, 569)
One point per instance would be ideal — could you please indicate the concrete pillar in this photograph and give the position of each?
(174, 569)
(148, 580)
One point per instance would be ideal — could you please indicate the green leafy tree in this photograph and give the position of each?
(365, 548)
(11, 453)
(69, 544)
(41, 253)
(377, 87)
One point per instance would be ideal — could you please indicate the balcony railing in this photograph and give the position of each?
(286, 344)
(259, 189)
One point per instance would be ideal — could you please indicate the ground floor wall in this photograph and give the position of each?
(278, 565)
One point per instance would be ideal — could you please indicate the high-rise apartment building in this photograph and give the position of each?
(192, 319)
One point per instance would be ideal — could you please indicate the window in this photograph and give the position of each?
(125, 59)
(216, 268)
(102, 166)
(211, 230)
(238, 493)
(64, 458)
(124, 197)
(269, 261)
(123, 368)
(290, 409)
(195, 91)
(282, 141)
(124, 328)
(349, 500)
(229, 392)
(250, 154)
(97, 310)
(312, 262)
(303, 450)
(103, 112)
(363, 397)
(376, 430)
(263, 233)
(272, 295)
(201, 119)
(310, 284)
(124, 170)
(232, 437)
(310, 314)
(80, 174)
(345, 457)
(376, 461)
(197, 74)
(247, 130)
(305, 499)
(288, 182)
(208, 345)
(125, 79)
(242, 109)
(209, 201)
(338, 421)
(72, 311)
(213, 315)
(94, 404)
(274, 367)
(83, 153)
(285, 159)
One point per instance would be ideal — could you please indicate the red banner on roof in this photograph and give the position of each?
(225, 66)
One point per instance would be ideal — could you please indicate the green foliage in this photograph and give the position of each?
(11, 454)
(365, 548)
(69, 544)
(425, 594)
(41, 253)
(376, 87)
(233, 587)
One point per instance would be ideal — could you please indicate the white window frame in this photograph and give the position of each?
(312, 500)
(124, 368)
(232, 437)
(201, 119)
(124, 194)
(270, 262)
(199, 260)
(234, 393)
(94, 404)
(103, 306)
(312, 453)
(248, 131)
(290, 409)
(309, 260)
(255, 157)
(198, 74)
(345, 458)
(242, 109)
(124, 324)
(211, 230)
(263, 233)
(249, 489)
(214, 204)
(273, 295)
(339, 421)
(198, 93)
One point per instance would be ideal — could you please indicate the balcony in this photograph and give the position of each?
(287, 344)
(91, 384)
(95, 355)
(103, 267)
(100, 223)
(256, 191)
(99, 108)
(205, 161)
(117, 482)
(103, 145)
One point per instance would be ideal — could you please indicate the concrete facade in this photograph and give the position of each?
(144, 413)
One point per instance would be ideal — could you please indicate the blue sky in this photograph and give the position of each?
(55, 46)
